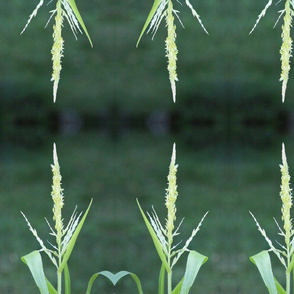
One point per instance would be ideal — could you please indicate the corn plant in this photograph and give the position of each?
(65, 239)
(163, 239)
(64, 9)
(164, 9)
(285, 251)
(286, 47)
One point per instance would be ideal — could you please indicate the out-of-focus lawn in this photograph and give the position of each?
(114, 172)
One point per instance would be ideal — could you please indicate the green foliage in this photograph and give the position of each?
(286, 47)
(163, 240)
(69, 10)
(208, 67)
(67, 281)
(74, 7)
(34, 261)
(163, 9)
(114, 278)
(263, 262)
(149, 18)
(156, 242)
(194, 262)
(286, 253)
(73, 240)
(65, 241)
(162, 236)
(139, 169)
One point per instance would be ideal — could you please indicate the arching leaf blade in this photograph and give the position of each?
(67, 285)
(74, 7)
(34, 261)
(178, 288)
(279, 287)
(149, 18)
(114, 278)
(263, 262)
(156, 242)
(161, 280)
(73, 240)
(194, 262)
(51, 289)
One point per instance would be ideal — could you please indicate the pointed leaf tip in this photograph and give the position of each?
(154, 237)
(73, 239)
(74, 7)
(155, 5)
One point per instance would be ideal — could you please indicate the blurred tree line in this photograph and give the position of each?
(227, 76)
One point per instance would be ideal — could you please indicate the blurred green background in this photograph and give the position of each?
(114, 124)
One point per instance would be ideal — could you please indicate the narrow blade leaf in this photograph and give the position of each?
(73, 240)
(51, 289)
(74, 8)
(155, 240)
(67, 286)
(263, 262)
(34, 261)
(194, 262)
(178, 287)
(114, 278)
(280, 288)
(161, 280)
(290, 267)
(149, 18)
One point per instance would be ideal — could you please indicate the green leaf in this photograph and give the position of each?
(34, 261)
(280, 288)
(73, 239)
(178, 288)
(114, 278)
(263, 262)
(51, 289)
(194, 259)
(161, 280)
(74, 8)
(194, 262)
(290, 267)
(156, 242)
(150, 16)
(67, 286)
